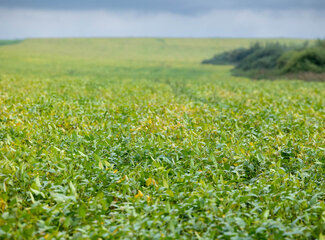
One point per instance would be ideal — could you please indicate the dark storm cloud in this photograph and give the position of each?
(173, 6)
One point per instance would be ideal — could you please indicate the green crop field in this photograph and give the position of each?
(135, 139)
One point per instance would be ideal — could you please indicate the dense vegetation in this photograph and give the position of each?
(274, 60)
(9, 42)
(134, 138)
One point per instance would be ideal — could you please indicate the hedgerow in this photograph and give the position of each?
(273, 60)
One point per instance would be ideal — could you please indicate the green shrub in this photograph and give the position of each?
(262, 61)
(320, 43)
(265, 57)
(273, 59)
(232, 57)
(309, 60)
(9, 42)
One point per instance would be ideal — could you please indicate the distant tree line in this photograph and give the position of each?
(274, 59)
(9, 42)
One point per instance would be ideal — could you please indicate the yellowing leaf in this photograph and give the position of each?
(122, 179)
(148, 182)
(100, 165)
(139, 195)
(107, 164)
(170, 193)
(165, 183)
(154, 182)
(3, 204)
(32, 197)
(38, 183)
(151, 181)
(115, 231)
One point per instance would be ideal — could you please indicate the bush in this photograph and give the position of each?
(232, 57)
(262, 58)
(308, 60)
(261, 62)
(9, 42)
(274, 59)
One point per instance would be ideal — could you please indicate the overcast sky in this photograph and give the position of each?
(162, 18)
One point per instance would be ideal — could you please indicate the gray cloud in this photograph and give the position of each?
(22, 23)
(171, 6)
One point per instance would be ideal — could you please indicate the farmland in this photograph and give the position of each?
(134, 138)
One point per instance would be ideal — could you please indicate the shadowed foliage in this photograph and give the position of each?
(9, 42)
(274, 59)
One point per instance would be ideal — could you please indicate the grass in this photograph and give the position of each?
(134, 138)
